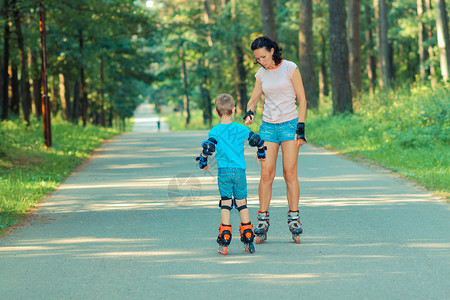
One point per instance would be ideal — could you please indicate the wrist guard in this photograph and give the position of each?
(202, 161)
(249, 113)
(301, 131)
(261, 152)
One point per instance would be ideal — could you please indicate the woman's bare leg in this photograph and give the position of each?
(268, 168)
(289, 151)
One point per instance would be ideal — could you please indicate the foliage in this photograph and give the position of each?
(115, 31)
(28, 171)
(406, 130)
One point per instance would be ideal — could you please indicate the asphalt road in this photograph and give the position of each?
(139, 221)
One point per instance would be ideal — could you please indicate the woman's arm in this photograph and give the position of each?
(297, 82)
(300, 92)
(251, 105)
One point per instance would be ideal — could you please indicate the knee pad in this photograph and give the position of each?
(240, 204)
(226, 203)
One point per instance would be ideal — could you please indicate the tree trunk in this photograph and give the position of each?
(102, 91)
(15, 97)
(371, 61)
(204, 64)
(241, 74)
(323, 75)
(354, 29)
(83, 82)
(383, 43)
(187, 110)
(110, 117)
(429, 31)
(37, 83)
(5, 77)
(421, 40)
(54, 91)
(268, 19)
(340, 81)
(24, 81)
(443, 38)
(76, 102)
(65, 103)
(306, 53)
(205, 95)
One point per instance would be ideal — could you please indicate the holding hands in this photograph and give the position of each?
(249, 117)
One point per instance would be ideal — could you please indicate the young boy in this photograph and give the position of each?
(227, 141)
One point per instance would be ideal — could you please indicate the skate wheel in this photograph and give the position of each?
(260, 239)
(250, 248)
(223, 250)
(296, 238)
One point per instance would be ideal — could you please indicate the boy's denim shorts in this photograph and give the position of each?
(278, 132)
(232, 183)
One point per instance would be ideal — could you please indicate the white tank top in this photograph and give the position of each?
(279, 93)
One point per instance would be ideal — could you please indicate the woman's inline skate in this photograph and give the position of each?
(224, 238)
(294, 225)
(247, 236)
(262, 227)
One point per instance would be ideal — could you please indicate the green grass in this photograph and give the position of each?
(406, 130)
(29, 171)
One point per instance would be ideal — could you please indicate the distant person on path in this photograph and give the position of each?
(282, 124)
(227, 141)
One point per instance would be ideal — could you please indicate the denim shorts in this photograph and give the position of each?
(232, 183)
(278, 132)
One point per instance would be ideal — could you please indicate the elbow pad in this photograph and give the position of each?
(255, 140)
(209, 146)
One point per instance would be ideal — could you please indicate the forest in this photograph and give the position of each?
(103, 57)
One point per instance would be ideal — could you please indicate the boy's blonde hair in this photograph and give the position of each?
(224, 105)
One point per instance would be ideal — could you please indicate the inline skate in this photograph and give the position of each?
(262, 227)
(224, 238)
(247, 236)
(295, 225)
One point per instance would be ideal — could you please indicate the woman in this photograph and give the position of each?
(283, 124)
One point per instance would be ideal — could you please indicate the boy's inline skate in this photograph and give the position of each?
(247, 236)
(295, 225)
(262, 227)
(224, 238)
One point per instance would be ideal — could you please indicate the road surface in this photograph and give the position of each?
(140, 221)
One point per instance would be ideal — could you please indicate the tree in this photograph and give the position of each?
(24, 79)
(306, 53)
(382, 42)
(268, 19)
(5, 74)
(430, 35)
(443, 38)
(421, 39)
(371, 63)
(240, 71)
(354, 26)
(340, 82)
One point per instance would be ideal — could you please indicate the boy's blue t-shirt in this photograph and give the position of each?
(230, 144)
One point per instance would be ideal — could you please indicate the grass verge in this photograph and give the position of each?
(29, 171)
(406, 130)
